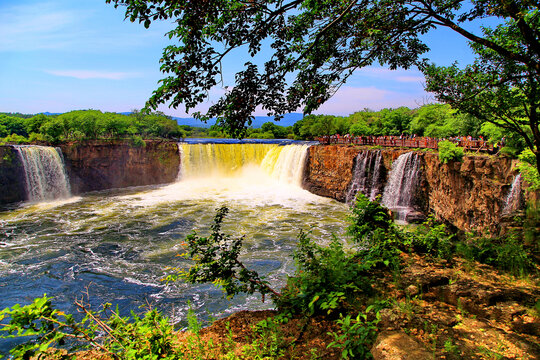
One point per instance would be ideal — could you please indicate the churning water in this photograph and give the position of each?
(118, 244)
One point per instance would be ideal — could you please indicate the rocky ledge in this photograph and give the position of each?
(468, 195)
(101, 165)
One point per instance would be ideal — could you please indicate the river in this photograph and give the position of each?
(116, 246)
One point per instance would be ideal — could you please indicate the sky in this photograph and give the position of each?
(63, 55)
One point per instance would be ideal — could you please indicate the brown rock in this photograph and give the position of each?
(101, 165)
(398, 346)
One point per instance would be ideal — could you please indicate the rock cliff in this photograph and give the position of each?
(11, 176)
(100, 165)
(468, 195)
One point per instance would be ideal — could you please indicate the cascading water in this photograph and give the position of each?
(284, 163)
(366, 175)
(513, 200)
(402, 184)
(118, 244)
(201, 160)
(44, 172)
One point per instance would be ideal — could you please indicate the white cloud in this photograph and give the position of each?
(26, 27)
(398, 75)
(416, 79)
(91, 74)
(351, 99)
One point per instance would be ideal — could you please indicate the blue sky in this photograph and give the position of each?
(62, 55)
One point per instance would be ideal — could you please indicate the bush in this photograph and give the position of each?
(15, 139)
(432, 238)
(448, 151)
(505, 253)
(138, 141)
(137, 337)
(327, 279)
(372, 227)
(528, 170)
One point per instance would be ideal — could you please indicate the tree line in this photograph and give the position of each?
(86, 125)
(431, 120)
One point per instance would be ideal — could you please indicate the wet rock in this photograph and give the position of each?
(415, 217)
(391, 345)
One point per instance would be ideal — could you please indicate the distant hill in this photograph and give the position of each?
(287, 120)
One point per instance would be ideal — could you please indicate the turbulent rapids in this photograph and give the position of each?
(118, 244)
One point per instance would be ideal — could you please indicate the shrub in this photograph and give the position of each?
(372, 227)
(138, 141)
(355, 336)
(505, 253)
(432, 238)
(527, 168)
(448, 151)
(15, 139)
(327, 279)
(137, 337)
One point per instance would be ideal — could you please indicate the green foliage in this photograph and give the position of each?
(138, 141)
(366, 218)
(506, 253)
(448, 151)
(501, 87)
(432, 238)
(327, 279)
(217, 261)
(137, 337)
(372, 227)
(529, 170)
(356, 335)
(15, 139)
(267, 340)
(88, 124)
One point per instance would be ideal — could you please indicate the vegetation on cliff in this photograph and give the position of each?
(344, 296)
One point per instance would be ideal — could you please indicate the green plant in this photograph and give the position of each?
(138, 141)
(327, 279)
(366, 218)
(450, 347)
(267, 341)
(432, 238)
(217, 261)
(355, 335)
(448, 151)
(506, 253)
(528, 169)
(372, 227)
(149, 336)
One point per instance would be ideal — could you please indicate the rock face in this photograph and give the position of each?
(468, 195)
(100, 165)
(11, 176)
(328, 171)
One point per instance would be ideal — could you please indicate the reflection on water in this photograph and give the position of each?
(118, 244)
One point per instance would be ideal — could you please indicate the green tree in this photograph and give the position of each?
(503, 85)
(319, 44)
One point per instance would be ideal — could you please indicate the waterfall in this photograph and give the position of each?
(366, 175)
(402, 184)
(513, 200)
(284, 163)
(200, 160)
(44, 172)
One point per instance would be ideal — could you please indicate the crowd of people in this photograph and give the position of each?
(413, 141)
